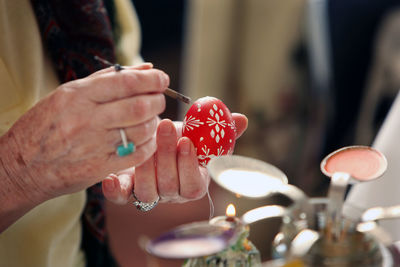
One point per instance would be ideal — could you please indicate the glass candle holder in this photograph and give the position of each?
(242, 253)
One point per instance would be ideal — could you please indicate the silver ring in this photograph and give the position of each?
(143, 206)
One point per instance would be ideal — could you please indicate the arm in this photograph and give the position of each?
(15, 200)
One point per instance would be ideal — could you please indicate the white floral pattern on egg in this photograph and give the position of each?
(209, 124)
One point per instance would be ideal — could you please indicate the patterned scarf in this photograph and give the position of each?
(73, 32)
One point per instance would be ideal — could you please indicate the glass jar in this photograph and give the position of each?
(350, 248)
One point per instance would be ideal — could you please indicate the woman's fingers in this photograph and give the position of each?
(178, 176)
(166, 165)
(69, 138)
(173, 173)
(142, 66)
(112, 189)
(241, 123)
(138, 134)
(145, 186)
(129, 111)
(142, 153)
(111, 86)
(117, 188)
(192, 184)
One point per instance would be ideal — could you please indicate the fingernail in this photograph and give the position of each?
(185, 147)
(148, 64)
(166, 129)
(109, 184)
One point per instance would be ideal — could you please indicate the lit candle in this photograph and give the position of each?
(229, 220)
(231, 213)
(241, 252)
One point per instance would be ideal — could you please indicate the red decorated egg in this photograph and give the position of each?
(209, 124)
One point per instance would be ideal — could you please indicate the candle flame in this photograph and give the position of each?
(230, 210)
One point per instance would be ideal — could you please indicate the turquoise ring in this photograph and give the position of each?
(124, 151)
(127, 147)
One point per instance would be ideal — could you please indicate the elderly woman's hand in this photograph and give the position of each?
(173, 173)
(67, 142)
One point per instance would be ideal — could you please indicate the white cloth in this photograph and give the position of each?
(384, 191)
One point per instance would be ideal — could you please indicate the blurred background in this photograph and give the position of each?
(311, 75)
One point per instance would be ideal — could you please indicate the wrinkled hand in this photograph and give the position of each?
(67, 142)
(173, 173)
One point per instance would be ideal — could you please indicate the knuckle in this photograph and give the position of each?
(144, 152)
(64, 96)
(140, 108)
(163, 80)
(169, 148)
(119, 200)
(146, 194)
(145, 198)
(194, 193)
(161, 103)
(149, 127)
(129, 80)
(102, 117)
(168, 188)
(139, 157)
